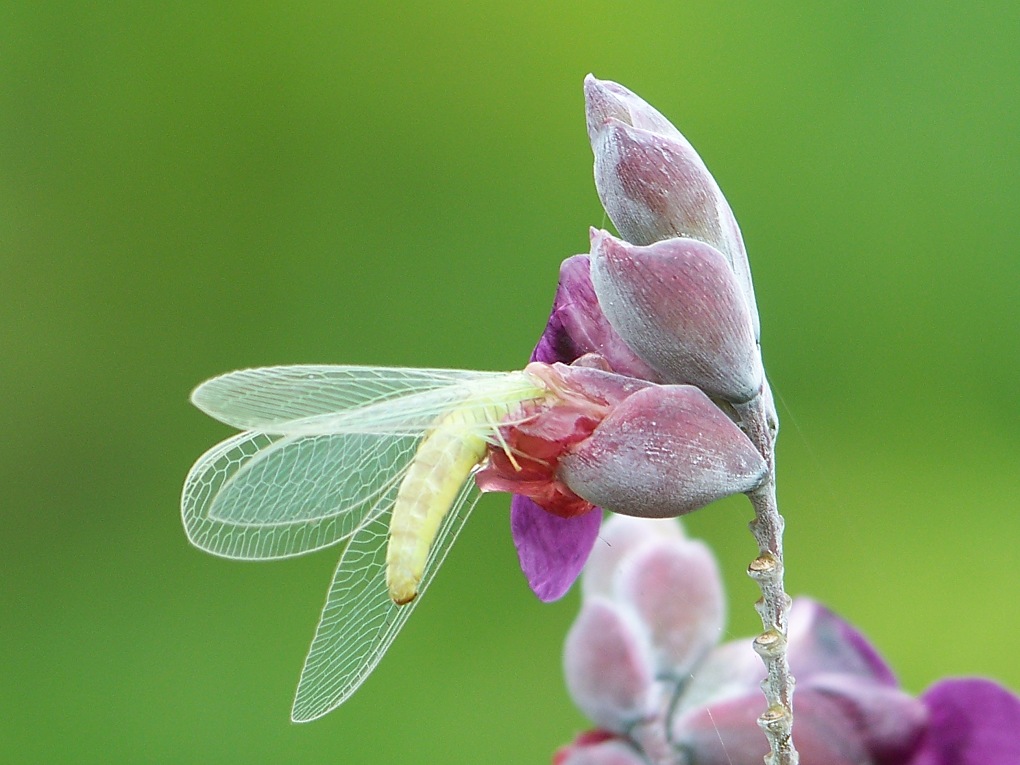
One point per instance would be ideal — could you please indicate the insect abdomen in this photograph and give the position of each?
(443, 462)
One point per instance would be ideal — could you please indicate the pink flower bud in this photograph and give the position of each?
(652, 182)
(608, 666)
(619, 538)
(847, 702)
(731, 669)
(554, 524)
(664, 451)
(677, 304)
(727, 732)
(889, 721)
(674, 587)
(605, 100)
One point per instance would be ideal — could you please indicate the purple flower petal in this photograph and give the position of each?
(822, 642)
(577, 326)
(972, 722)
(552, 550)
(889, 721)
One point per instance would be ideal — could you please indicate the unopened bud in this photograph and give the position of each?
(665, 451)
(610, 752)
(605, 100)
(608, 666)
(652, 182)
(674, 586)
(677, 304)
(620, 537)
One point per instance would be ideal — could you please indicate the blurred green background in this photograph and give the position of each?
(197, 187)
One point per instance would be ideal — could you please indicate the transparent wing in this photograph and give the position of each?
(359, 621)
(260, 496)
(327, 449)
(272, 399)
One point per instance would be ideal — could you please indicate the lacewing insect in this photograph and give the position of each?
(375, 459)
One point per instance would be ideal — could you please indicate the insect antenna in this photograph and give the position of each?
(502, 441)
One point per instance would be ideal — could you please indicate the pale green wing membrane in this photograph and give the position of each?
(359, 620)
(325, 451)
(321, 461)
(303, 398)
(257, 496)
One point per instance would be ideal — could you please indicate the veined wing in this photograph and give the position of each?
(273, 399)
(359, 620)
(293, 486)
(257, 496)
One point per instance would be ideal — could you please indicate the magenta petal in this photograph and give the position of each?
(577, 326)
(552, 550)
(823, 642)
(889, 721)
(972, 722)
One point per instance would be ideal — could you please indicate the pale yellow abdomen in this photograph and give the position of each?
(443, 462)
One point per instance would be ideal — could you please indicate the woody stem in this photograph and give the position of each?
(759, 422)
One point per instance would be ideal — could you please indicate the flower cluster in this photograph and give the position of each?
(641, 661)
(646, 396)
(670, 303)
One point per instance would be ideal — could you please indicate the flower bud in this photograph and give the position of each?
(577, 326)
(652, 182)
(847, 704)
(622, 536)
(731, 669)
(677, 305)
(664, 451)
(674, 587)
(608, 666)
(605, 100)
(555, 525)
(526, 459)
(727, 732)
(889, 721)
